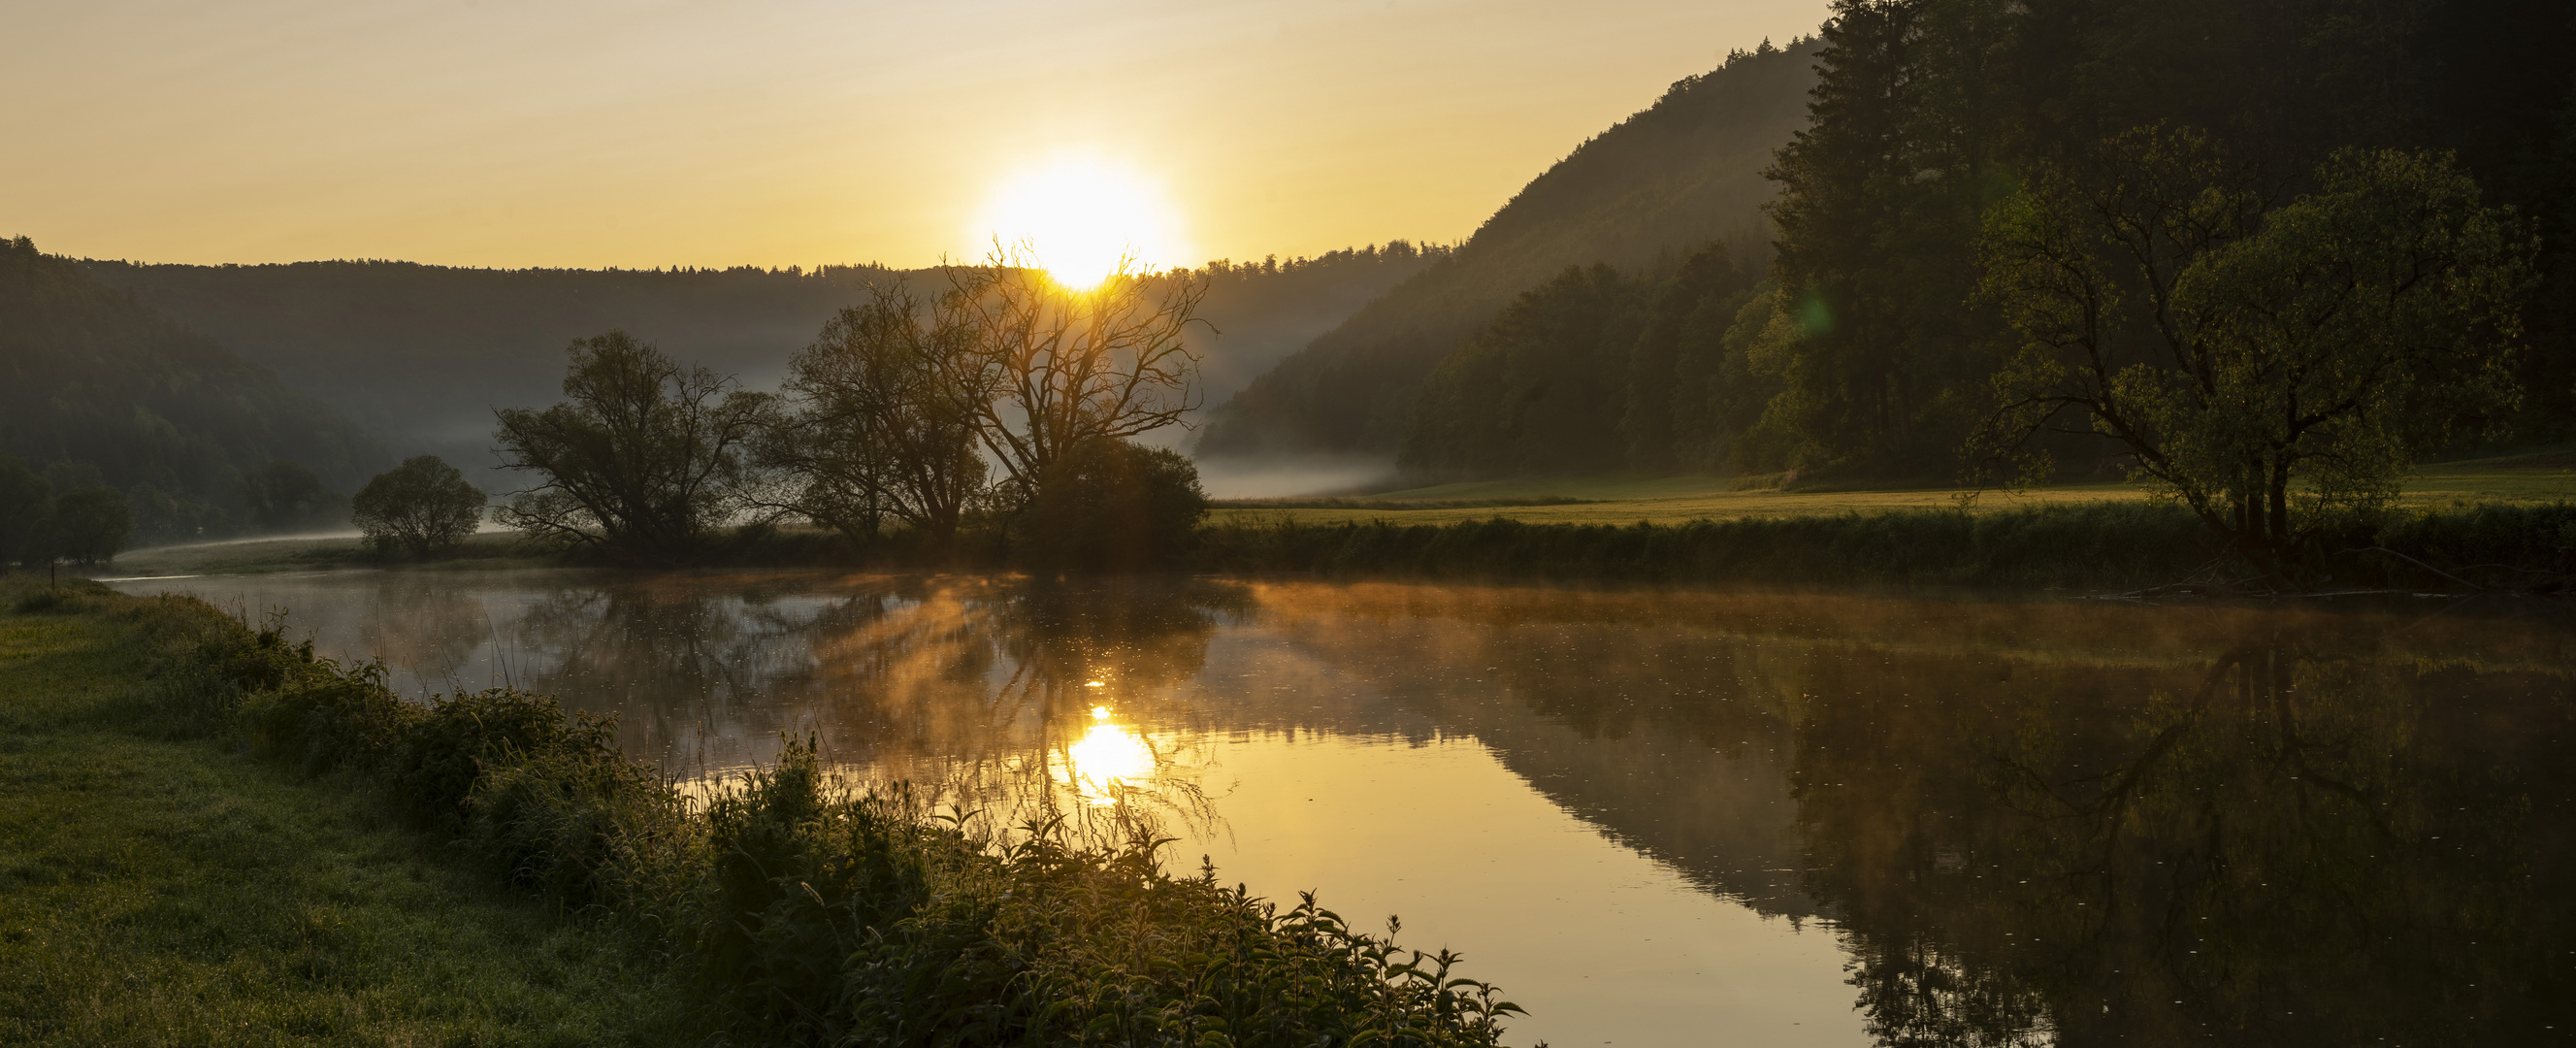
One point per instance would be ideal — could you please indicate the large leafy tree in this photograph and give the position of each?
(419, 509)
(644, 457)
(2254, 364)
(874, 426)
(90, 526)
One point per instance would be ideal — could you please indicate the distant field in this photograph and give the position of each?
(491, 549)
(2546, 476)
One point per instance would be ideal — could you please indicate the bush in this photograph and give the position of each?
(818, 914)
(1113, 506)
(419, 509)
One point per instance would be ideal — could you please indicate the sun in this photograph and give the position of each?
(1080, 217)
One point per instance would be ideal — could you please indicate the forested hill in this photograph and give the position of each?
(1641, 195)
(425, 353)
(88, 375)
(1886, 328)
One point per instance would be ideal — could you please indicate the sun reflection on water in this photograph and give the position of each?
(1107, 758)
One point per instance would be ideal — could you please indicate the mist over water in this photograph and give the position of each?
(1797, 819)
(1233, 478)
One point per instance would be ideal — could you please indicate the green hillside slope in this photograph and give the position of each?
(89, 375)
(1640, 196)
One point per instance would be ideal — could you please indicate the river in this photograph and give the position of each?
(1672, 818)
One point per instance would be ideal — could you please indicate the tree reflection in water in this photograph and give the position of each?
(987, 686)
(2026, 822)
(2299, 847)
(2039, 824)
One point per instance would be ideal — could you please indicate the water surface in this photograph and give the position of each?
(1676, 818)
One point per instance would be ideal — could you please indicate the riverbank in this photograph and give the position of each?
(2110, 545)
(157, 886)
(2099, 546)
(792, 909)
(2528, 476)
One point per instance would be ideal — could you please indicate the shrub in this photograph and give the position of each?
(815, 913)
(419, 509)
(1112, 505)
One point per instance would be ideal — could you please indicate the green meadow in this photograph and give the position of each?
(159, 887)
(2526, 477)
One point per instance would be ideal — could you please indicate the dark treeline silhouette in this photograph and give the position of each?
(1000, 403)
(1870, 343)
(1596, 372)
(195, 439)
(1639, 196)
(425, 353)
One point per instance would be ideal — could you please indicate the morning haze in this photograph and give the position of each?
(774, 133)
(1888, 523)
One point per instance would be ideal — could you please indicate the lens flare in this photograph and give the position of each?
(1083, 218)
(1107, 758)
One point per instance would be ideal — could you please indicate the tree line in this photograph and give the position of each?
(1639, 196)
(999, 404)
(198, 441)
(2261, 258)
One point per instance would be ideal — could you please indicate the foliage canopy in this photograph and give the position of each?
(419, 509)
(2246, 359)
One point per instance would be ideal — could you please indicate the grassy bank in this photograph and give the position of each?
(2492, 523)
(486, 551)
(159, 887)
(2539, 476)
(795, 911)
(2110, 545)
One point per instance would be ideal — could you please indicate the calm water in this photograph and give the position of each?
(1669, 819)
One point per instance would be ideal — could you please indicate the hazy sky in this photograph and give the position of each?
(777, 132)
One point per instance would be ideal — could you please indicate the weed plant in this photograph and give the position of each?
(809, 911)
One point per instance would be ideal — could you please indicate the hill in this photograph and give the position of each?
(425, 353)
(1669, 180)
(88, 375)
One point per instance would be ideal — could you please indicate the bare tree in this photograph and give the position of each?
(1044, 369)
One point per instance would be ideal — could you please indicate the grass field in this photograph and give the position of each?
(2547, 476)
(491, 549)
(158, 889)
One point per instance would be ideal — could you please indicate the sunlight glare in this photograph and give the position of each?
(1108, 756)
(1080, 218)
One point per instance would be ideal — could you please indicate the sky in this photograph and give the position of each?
(591, 133)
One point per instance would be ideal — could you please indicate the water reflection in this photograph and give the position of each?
(1797, 819)
(1107, 761)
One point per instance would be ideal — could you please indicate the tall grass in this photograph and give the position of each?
(810, 911)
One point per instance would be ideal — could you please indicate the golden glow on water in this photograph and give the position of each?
(1109, 757)
(1610, 772)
